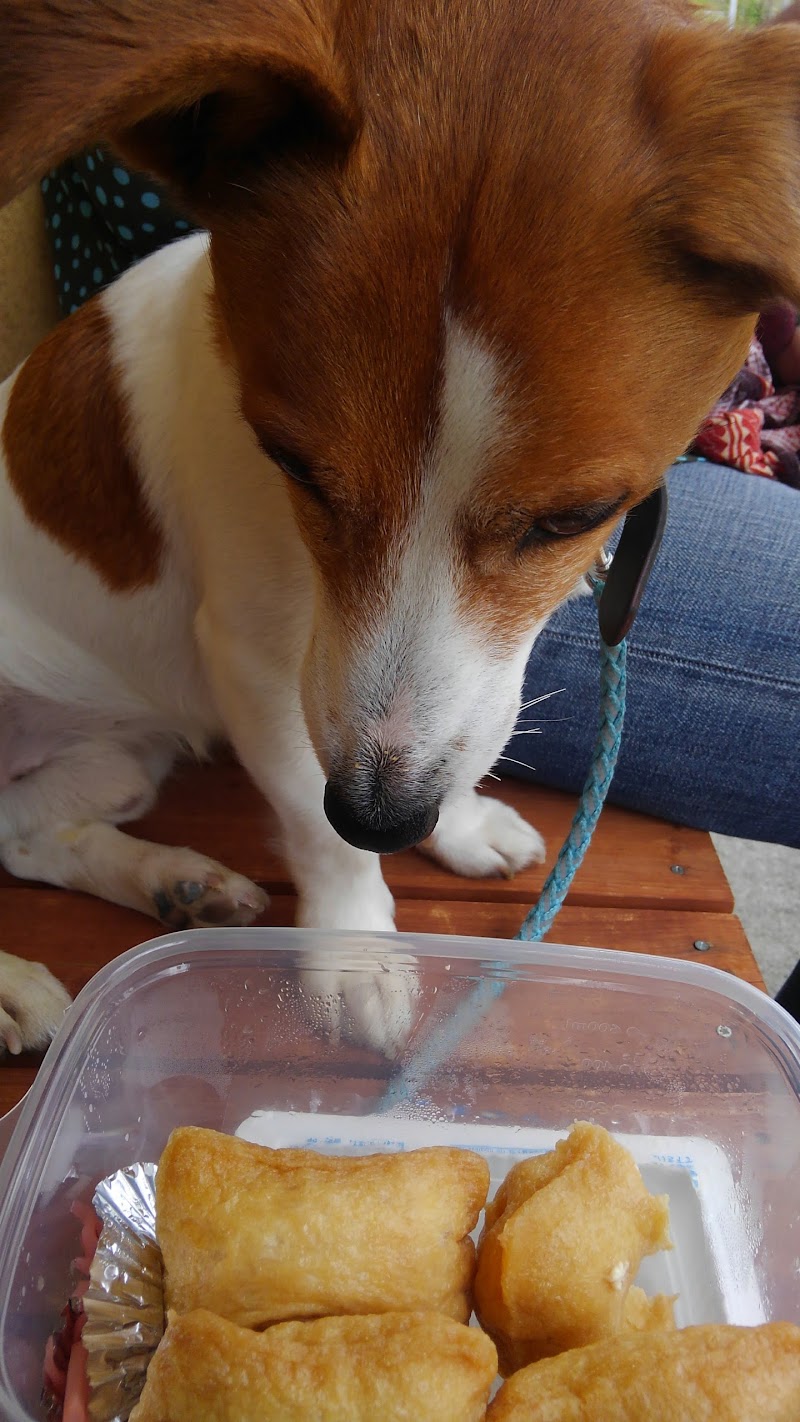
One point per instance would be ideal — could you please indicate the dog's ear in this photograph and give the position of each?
(191, 90)
(725, 114)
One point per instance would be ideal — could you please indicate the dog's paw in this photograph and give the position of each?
(361, 992)
(189, 891)
(481, 838)
(367, 996)
(32, 1004)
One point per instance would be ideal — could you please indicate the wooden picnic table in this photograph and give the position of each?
(646, 886)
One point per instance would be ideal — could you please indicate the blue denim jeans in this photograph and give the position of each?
(712, 731)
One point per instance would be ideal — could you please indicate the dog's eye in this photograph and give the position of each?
(293, 466)
(569, 524)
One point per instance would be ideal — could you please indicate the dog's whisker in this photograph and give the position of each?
(543, 721)
(544, 697)
(509, 759)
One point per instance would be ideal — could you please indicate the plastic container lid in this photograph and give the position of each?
(698, 1072)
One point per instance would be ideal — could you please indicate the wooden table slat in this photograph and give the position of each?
(77, 935)
(630, 864)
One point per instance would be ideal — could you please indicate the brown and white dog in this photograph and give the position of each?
(476, 270)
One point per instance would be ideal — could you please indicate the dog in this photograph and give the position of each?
(314, 480)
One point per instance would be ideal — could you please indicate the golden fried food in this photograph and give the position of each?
(709, 1373)
(564, 1238)
(259, 1235)
(381, 1368)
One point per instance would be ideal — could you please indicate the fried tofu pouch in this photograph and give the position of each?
(563, 1239)
(709, 1373)
(258, 1235)
(386, 1367)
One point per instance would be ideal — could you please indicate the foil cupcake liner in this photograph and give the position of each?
(124, 1303)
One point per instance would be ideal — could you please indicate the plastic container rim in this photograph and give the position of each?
(497, 953)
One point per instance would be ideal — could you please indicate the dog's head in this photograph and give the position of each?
(480, 268)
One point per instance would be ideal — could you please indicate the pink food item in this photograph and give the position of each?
(65, 1380)
(76, 1395)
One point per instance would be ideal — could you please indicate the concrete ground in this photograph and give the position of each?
(765, 879)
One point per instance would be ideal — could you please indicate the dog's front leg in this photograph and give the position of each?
(338, 887)
(256, 687)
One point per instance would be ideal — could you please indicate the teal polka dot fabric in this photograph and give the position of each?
(101, 218)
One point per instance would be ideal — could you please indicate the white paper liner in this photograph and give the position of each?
(124, 1303)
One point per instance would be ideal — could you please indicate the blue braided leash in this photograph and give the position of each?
(448, 1035)
(613, 680)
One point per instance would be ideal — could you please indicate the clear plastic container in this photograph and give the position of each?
(697, 1071)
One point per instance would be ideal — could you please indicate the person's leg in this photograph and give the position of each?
(712, 731)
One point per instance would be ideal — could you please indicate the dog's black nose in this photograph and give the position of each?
(379, 825)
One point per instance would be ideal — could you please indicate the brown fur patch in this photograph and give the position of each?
(64, 438)
(184, 86)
